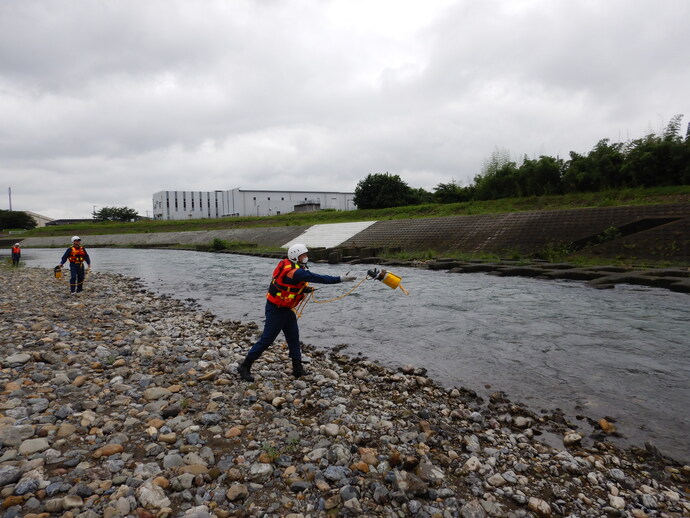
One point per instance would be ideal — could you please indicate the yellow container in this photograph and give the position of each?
(391, 280)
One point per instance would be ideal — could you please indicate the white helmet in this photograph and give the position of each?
(16, 244)
(75, 238)
(295, 251)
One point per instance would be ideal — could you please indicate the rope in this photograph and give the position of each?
(311, 298)
(64, 276)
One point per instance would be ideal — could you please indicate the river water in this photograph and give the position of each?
(622, 353)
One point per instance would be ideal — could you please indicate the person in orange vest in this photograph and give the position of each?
(16, 254)
(288, 286)
(77, 256)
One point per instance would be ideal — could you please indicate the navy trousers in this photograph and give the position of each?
(76, 279)
(278, 319)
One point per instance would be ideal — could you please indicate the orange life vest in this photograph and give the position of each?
(281, 293)
(77, 255)
(16, 250)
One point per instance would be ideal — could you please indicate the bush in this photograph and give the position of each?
(218, 245)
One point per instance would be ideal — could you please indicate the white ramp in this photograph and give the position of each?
(330, 235)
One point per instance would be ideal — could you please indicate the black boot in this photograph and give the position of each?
(297, 369)
(244, 370)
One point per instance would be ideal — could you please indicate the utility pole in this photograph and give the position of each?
(9, 190)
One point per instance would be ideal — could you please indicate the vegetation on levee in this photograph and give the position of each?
(655, 160)
(640, 196)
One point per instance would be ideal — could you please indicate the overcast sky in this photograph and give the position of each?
(103, 103)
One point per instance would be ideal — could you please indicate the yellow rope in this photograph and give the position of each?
(310, 297)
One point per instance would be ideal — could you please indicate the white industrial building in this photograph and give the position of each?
(176, 205)
(39, 219)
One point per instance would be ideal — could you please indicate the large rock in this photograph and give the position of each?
(31, 446)
(17, 359)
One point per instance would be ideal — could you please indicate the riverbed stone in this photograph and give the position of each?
(31, 446)
(15, 435)
(155, 393)
(151, 495)
(17, 359)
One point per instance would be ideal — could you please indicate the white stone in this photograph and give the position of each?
(331, 430)
(571, 438)
(539, 506)
(472, 464)
(330, 374)
(72, 502)
(616, 502)
(151, 495)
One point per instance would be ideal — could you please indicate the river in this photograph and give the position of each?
(621, 353)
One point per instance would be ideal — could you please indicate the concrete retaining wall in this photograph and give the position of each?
(643, 232)
(655, 231)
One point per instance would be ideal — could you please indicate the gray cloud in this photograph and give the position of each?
(104, 102)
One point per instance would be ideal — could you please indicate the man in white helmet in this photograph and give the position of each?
(77, 256)
(287, 288)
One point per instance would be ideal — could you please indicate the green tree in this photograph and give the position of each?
(499, 183)
(540, 177)
(658, 159)
(15, 219)
(451, 192)
(116, 214)
(421, 196)
(497, 178)
(599, 170)
(380, 191)
(654, 160)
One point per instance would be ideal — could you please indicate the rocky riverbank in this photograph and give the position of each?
(119, 403)
(602, 277)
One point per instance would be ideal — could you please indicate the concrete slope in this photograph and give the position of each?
(329, 235)
(527, 232)
(263, 236)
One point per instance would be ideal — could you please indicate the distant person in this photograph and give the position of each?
(77, 256)
(16, 254)
(286, 291)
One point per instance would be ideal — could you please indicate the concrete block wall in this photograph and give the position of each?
(521, 232)
(527, 232)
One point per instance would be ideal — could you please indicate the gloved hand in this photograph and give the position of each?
(347, 278)
(58, 267)
(373, 273)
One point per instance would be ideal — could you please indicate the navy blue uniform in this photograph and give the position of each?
(284, 319)
(76, 269)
